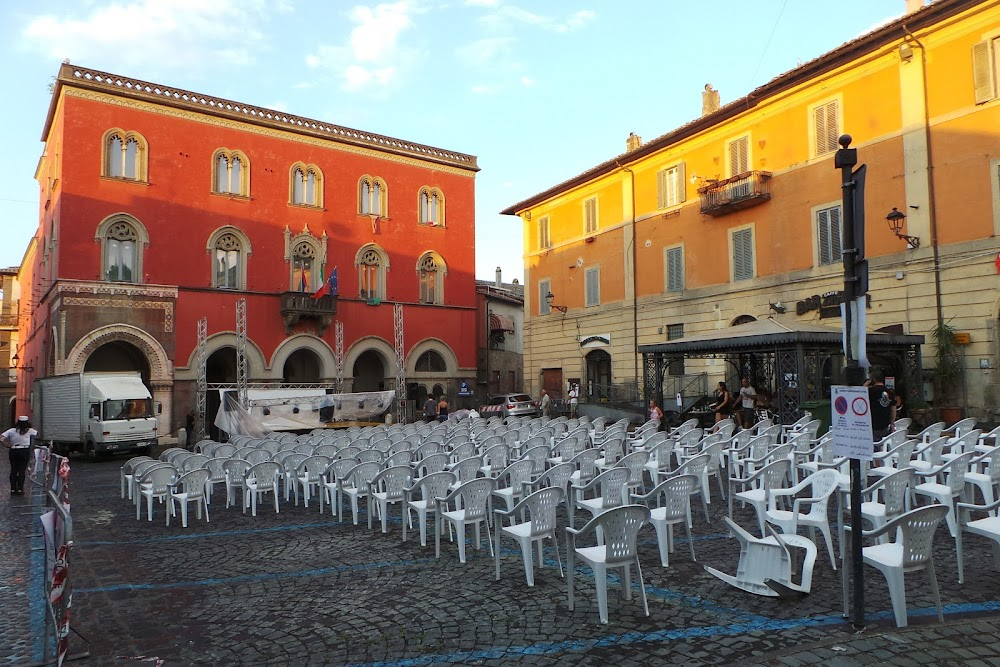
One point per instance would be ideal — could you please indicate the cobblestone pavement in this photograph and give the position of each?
(300, 588)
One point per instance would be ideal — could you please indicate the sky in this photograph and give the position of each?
(539, 91)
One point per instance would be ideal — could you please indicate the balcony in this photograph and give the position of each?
(736, 193)
(299, 306)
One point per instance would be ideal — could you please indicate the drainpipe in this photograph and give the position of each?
(930, 175)
(635, 286)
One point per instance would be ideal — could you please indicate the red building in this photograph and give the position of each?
(160, 207)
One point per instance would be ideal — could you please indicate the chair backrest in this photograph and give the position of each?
(178, 458)
(585, 462)
(542, 506)
(775, 474)
(497, 456)
(726, 428)
(822, 485)
(255, 456)
(966, 442)
(918, 527)
(894, 439)
(963, 426)
(932, 432)
(902, 424)
(329, 450)
(236, 469)
(340, 467)
(392, 481)
(475, 495)
(426, 449)
(304, 448)
(780, 452)
(362, 474)
(714, 452)
(614, 448)
(160, 478)
(371, 456)
(194, 462)
(463, 451)
(313, 467)
(467, 468)
(894, 491)
(557, 476)
(935, 449)
(612, 486)
(690, 438)
(955, 479)
(537, 455)
(193, 482)
(291, 462)
(223, 451)
(129, 466)
(432, 463)
(620, 530)
(434, 485)
(676, 493)
(696, 465)
(635, 463)
(514, 475)
(401, 458)
(216, 469)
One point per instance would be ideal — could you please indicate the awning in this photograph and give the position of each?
(501, 323)
(118, 389)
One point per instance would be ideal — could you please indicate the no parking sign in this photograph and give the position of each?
(851, 422)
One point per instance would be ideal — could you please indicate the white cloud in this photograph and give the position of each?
(156, 35)
(373, 54)
(504, 18)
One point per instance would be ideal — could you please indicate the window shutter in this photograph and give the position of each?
(675, 270)
(543, 232)
(743, 254)
(543, 304)
(823, 236)
(681, 184)
(819, 123)
(982, 72)
(826, 127)
(593, 287)
(661, 188)
(590, 216)
(836, 241)
(832, 130)
(739, 156)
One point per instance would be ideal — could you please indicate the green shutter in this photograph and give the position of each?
(675, 270)
(743, 254)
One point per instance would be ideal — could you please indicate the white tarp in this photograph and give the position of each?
(297, 409)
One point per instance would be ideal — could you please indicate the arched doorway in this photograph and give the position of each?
(219, 369)
(117, 356)
(302, 366)
(369, 372)
(599, 375)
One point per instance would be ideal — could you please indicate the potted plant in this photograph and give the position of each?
(917, 409)
(947, 373)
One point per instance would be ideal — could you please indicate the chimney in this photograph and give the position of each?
(499, 282)
(633, 142)
(709, 100)
(914, 5)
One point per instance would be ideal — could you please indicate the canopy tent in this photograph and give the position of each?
(789, 362)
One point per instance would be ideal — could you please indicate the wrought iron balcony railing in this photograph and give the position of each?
(299, 306)
(736, 193)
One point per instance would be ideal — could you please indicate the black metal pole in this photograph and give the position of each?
(845, 160)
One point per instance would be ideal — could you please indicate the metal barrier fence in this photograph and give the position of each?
(51, 474)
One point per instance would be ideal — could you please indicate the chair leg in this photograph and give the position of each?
(661, 540)
(601, 583)
(460, 529)
(529, 570)
(496, 556)
(897, 593)
(642, 586)
(690, 544)
(934, 589)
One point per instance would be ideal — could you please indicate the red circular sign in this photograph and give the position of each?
(859, 406)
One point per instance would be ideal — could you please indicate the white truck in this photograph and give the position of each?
(96, 413)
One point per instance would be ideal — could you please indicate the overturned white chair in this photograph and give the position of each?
(765, 566)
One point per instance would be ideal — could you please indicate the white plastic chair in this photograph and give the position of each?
(236, 471)
(612, 491)
(422, 499)
(674, 507)
(192, 487)
(912, 551)
(333, 478)
(988, 527)
(951, 490)
(754, 490)
(765, 565)
(821, 485)
(616, 532)
(155, 482)
(216, 475)
(984, 474)
(127, 470)
(541, 523)
(355, 486)
(261, 478)
(309, 475)
(464, 506)
(388, 487)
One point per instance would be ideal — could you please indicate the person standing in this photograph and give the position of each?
(189, 431)
(883, 405)
(654, 411)
(546, 403)
(721, 405)
(748, 398)
(442, 409)
(574, 399)
(18, 442)
(430, 409)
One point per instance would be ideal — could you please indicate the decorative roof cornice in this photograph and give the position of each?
(80, 77)
(876, 39)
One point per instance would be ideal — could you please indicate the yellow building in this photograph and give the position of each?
(736, 215)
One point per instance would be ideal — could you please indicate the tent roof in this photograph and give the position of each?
(769, 333)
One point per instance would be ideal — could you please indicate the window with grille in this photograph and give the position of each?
(120, 253)
(124, 155)
(543, 233)
(430, 270)
(743, 254)
(431, 362)
(675, 269)
(371, 265)
(590, 216)
(543, 303)
(303, 267)
(593, 286)
(670, 186)
(828, 239)
(739, 156)
(228, 255)
(826, 127)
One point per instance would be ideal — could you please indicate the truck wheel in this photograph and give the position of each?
(90, 451)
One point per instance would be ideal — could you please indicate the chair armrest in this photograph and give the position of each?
(979, 508)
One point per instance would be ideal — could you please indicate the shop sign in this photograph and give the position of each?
(595, 340)
(827, 304)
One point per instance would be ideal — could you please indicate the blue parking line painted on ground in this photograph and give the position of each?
(36, 586)
(578, 645)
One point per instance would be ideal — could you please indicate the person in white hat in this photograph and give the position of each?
(17, 440)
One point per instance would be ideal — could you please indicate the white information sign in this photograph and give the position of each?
(851, 422)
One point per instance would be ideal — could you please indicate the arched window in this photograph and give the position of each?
(431, 362)
(431, 270)
(122, 239)
(372, 264)
(373, 197)
(231, 173)
(124, 155)
(229, 249)
(430, 204)
(304, 265)
(306, 186)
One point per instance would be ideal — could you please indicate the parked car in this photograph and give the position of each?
(510, 405)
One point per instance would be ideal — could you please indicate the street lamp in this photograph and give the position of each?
(895, 220)
(548, 302)
(15, 367)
